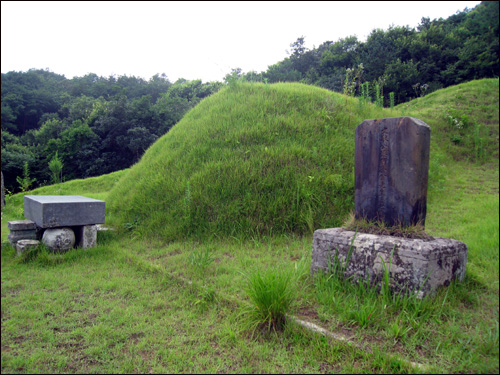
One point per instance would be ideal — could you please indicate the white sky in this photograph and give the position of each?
(191, 40)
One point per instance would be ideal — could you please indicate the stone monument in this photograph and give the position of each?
(391, 170)
(391, 173)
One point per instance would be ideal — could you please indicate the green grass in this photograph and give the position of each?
(137, 304)
(473, 104)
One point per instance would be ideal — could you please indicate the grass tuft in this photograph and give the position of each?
(200, 259)
(271, 299)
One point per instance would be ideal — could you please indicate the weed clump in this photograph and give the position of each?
(271, 299)
(40, 255)
(200, 259)
(380, 228)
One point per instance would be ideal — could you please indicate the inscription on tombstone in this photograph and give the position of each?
(391, 170)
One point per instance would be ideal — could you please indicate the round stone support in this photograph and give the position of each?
(59, 239)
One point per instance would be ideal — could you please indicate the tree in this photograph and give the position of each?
(139, 139)
(3, 193)
(56, 166)
(298, 47)
(340, 55)
(170, 109)
(400, 78)
(26, 181)
(301, 58)
(235, 75)
(14, 156)
(283, 71)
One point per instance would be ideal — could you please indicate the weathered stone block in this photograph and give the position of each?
(24, 245)
(17, 225)
(417, 266)
(51, 211)
(59, 239)
(391, 170)
(16, 235)
(21, 230)
(87, 236)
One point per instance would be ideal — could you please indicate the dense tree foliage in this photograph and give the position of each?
(96, 125)
(409, 62)
(93, 125)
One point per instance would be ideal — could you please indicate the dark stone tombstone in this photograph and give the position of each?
(391, 170)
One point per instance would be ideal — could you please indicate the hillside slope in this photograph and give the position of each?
(464, 118)
(253, 159)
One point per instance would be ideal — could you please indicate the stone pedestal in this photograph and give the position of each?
(86, 236)
(417, 266)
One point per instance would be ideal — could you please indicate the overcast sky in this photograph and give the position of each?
(191, 40)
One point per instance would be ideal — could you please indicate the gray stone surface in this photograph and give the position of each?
(391, 170)
(52, 211)
(59, 239)
(87, 235)
(24, 230)
(418, 266)
(16, 235)
(21, 225)
(25, 245)
(101, 227)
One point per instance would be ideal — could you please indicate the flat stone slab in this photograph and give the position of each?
(52, 211)
(417, 266)
(21, 225)
(16, 235)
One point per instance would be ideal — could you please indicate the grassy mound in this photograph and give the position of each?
(251, 159)
(257, 159)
